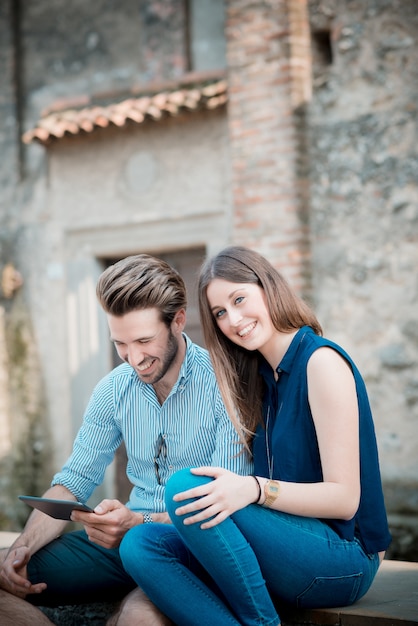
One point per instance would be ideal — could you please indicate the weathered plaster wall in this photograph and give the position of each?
(52, 51)
(364, 216)
(23, 436)
(364, 160)
(110, 196)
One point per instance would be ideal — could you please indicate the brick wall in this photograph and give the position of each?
(264, 135)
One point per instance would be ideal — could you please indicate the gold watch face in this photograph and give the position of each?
(271, 490)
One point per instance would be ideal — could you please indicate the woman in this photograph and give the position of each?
(309, 528)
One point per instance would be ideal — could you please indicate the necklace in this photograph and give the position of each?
(270, 458)
(270, 455)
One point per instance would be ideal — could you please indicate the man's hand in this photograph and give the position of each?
(39, 530)
(109, 523)
(13, 573)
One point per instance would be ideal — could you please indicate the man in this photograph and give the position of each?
(164, 404)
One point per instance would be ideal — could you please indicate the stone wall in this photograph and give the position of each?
(51, 53)
(364, 219)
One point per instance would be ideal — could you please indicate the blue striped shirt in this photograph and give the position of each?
(192, 422)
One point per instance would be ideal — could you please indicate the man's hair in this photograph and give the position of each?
(141, 282)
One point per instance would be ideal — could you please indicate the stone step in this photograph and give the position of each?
(391, 601)
(7, 538)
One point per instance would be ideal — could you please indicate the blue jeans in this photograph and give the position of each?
(77, 571)
(253, 556)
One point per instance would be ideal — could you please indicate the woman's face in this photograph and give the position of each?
(240, 311)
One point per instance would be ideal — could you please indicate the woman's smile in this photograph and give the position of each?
(247, 330)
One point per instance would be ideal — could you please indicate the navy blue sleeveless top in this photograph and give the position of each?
(292, 443)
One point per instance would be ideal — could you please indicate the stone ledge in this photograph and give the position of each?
(7, 538)
(391, 601)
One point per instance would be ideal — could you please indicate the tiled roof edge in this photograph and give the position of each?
(157, 101)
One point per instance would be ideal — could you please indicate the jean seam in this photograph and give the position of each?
(257, 617)
(338, 541)
(355, 578)
(188, 575)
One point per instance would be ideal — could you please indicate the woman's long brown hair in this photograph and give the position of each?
(236, 369)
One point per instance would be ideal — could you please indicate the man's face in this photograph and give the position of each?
(144, 341)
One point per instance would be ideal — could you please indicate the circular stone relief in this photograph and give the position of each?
(140, 172)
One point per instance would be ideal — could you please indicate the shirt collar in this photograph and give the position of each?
(287, 361)
(187, 364)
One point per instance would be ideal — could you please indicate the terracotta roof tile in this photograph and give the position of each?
(56, 124)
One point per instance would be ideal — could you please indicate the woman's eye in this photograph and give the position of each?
(239, 299)
(219, 314)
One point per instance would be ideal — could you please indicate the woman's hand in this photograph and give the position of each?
(218, 498)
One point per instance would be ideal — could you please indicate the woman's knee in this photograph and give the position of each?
(147, 546)
(179, 482)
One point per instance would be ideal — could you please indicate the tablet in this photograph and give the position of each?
(60, 509)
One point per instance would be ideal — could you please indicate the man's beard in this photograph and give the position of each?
(169, 358)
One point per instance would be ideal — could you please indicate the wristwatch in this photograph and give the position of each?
(147, 518)
(271, 491)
